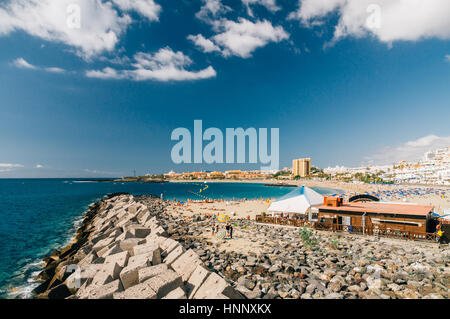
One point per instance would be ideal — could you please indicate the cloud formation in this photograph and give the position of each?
(387, 20)
(211, 9)
(9, 165)
(409, 151)
(90, 26)
(164, 65)
(21, 63)
(240, 38)
(206, 45)
(270, 5)
(146, 8)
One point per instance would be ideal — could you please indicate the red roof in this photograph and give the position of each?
(382, 208)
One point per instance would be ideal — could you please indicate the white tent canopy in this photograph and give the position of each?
(299, 201)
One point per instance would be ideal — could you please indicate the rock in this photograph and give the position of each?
(120, 258)
(176, 294)
(149, 272)
(334, 295)
(129, 275)
(173, 255)
(164, 283)
(186, 264)
(129, 243)
(59, 292)
(214, 286)
(106, 291)
(433, 296)
(107, 273)
(140, 291)
(196, 279)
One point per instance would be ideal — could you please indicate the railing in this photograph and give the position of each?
(280, 221)
(380, 231)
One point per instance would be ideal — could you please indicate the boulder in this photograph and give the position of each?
(107, 273)
(196, 279)
(120, 258)
(174, 255)
(186, 264)
(214, 287)
(105, 291)
(140, 291)
(176, 294)
(165, 282)
(149, 272)
(129, 275)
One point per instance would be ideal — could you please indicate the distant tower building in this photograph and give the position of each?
(301, 167)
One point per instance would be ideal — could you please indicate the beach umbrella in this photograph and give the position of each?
(223, 218)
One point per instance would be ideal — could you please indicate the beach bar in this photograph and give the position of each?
(395, 217)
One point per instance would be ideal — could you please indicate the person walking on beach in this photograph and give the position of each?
(228, 229)
(231, 231)
(213, 230)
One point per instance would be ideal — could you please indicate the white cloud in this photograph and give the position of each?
(23, 64)
(243, 37)
(447, 57)
(105, 73)
(39, 166)
(212, 9)
(409, 151)
(388, 20)
(8, 165)
(99, 29)
(54, 70)
(146, 8)
(270, 5)
(205, 44)
(164, 65)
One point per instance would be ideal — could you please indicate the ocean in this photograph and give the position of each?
(40, 215)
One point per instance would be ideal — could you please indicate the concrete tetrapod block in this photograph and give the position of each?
(214, 287)
(174, 255)
(82, 275)
(186, 264)
(149, 272)
(168, 246)
(152, 250)
(197, 278)
(165, 282)
(113, 250)
(129, 243)
(120, 258)
(106, 274)
(129, 275)
(176, 294)
(106, 291)
(139, 291)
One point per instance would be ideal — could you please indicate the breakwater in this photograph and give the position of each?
(121, 251)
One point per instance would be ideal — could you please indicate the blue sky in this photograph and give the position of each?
(103, 99)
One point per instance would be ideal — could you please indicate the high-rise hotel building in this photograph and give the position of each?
(301, 167)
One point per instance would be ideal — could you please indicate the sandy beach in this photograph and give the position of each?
(423, 195)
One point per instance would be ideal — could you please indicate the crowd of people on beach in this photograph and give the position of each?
(215, 231)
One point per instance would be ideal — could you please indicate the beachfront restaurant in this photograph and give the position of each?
(300, 203)
(370, 216)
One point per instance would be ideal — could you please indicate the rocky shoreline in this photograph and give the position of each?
(134, 247)
(121, 251)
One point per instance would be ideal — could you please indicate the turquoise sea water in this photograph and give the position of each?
(40, 215)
